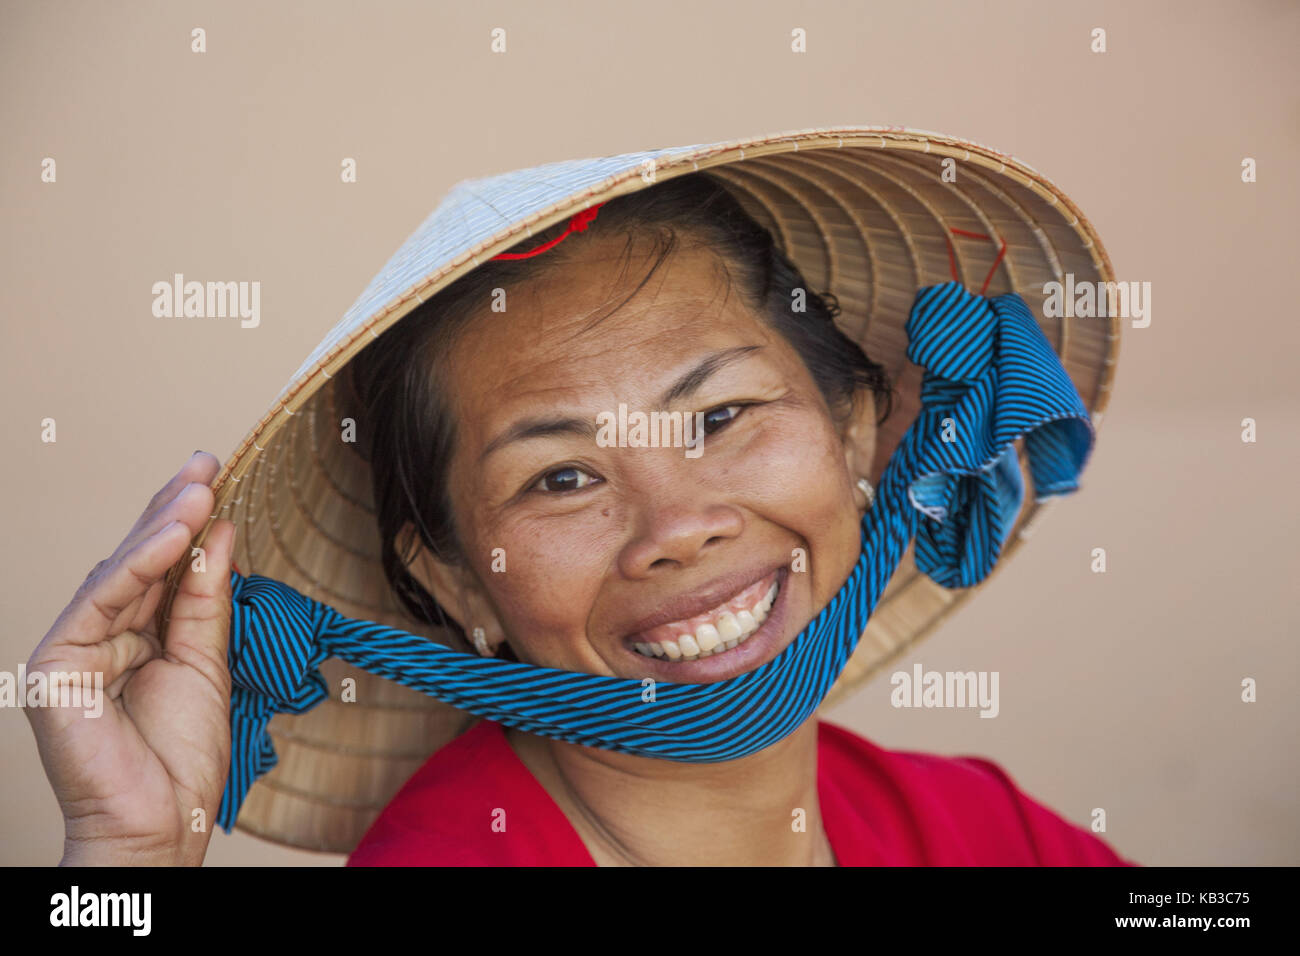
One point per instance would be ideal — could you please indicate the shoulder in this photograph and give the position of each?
(473, 803)
(950, 810)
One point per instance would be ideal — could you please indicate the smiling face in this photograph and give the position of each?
(643, 561)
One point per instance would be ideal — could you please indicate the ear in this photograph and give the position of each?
(458, 592)
(858, 432)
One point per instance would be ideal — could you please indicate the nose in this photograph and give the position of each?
(675, 531)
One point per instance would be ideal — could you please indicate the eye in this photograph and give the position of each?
(719, 418)
(564, 479)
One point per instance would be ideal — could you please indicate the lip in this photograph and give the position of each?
(681, 608)
(760, 647)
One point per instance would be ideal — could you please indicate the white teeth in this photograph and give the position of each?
(729, 630)
(707, 636)
(729, 627)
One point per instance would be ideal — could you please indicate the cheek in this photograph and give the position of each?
(793, 474)
(554, 568)
(790, 470)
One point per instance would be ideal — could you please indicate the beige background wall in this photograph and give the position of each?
(1118, 690)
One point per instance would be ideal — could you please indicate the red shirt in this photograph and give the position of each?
(879, 808)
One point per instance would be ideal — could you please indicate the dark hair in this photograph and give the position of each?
(404, 424)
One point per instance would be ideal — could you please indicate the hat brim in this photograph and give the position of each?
(867, 213)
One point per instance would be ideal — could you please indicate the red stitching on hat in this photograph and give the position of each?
(578, 222)
(952, 262)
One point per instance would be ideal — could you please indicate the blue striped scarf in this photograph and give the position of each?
(953, 483)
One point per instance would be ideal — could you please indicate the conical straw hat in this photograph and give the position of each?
(870, 214)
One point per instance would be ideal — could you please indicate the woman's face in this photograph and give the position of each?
(643, 562)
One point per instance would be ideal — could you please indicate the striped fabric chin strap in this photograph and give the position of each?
(953, 483)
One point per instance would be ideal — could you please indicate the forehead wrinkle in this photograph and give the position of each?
(661, 289)
(534, 352)
(570, 366)
(551, 340)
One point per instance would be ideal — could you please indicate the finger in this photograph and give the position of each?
(199, 470)
(113, 663)
(95, 610)
(198, 625)
(127, 617)
(145, 608)
(192, 507)
(126, 654)
(139, 615)
(202, 467)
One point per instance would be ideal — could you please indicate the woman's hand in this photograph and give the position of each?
(130, 778)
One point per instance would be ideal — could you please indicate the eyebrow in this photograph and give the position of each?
(545, 426)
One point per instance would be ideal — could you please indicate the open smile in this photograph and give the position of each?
(736, 635)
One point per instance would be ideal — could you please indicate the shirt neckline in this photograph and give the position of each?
(850, 838)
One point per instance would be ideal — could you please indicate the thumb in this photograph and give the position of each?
(198, 627)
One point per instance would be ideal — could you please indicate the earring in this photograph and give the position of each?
(481, 644)
(865, 487)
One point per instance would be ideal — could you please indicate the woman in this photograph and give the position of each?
(514, 511)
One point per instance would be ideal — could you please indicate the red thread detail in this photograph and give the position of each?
(578, 222)
(952, 262)
(1001, 252)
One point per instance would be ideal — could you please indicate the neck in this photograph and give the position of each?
(761, 810)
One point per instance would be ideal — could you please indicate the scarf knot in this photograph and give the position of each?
(990, 377)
